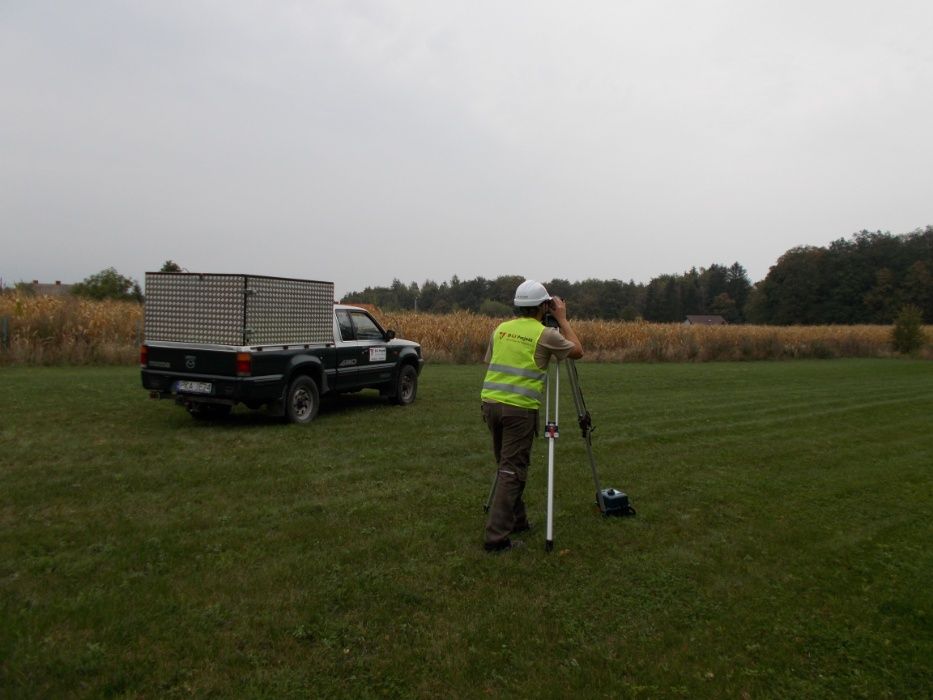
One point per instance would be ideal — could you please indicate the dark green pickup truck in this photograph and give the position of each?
(213, 341)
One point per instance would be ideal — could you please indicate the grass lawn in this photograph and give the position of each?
(782, 546)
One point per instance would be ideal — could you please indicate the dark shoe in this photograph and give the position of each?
(504, 546)
(523, 528)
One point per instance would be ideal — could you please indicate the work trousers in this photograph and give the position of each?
(513, 432)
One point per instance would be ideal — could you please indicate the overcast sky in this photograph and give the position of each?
(361, 141)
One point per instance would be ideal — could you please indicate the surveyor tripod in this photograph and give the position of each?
(610, 501)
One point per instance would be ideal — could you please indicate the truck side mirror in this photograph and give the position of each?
(390, 334)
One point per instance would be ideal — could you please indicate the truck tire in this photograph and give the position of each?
(406, 386)
(302, 401)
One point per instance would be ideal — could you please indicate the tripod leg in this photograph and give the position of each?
(599, 491)
(492, 490)
(549, 541)
(586, 427)
(552, 433)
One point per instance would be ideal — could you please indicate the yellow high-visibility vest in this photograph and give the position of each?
(513, 378)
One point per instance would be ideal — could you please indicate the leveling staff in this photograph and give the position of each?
(518, 356)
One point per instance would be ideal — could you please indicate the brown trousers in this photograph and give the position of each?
(513, 432)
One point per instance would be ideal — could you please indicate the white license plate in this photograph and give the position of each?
(194, 387)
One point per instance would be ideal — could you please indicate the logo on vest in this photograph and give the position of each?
(505, 335)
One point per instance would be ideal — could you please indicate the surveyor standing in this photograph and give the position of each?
(518, 356)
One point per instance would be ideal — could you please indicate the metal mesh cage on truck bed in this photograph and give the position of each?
(237, 310)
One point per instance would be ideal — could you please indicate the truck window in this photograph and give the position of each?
(346, 325)
(366, 329)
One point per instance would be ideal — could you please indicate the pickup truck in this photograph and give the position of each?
(213, 341)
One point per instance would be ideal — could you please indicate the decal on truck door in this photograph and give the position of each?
(377, 354)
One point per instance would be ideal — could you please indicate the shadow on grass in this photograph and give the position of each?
(331, 407)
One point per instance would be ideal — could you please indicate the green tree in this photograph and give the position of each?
(495, 309)
(791, 292)
(502, 289)
(429, 296)
(860, 280)
(738, 286)
(617, 296)
(402, 296)
(918, 289)
(170, 266)
(589, 299)
(562, 288)
(712, 281)
(471, 294)
(723, 305)
(108, 284)
(907, 335)
(691, 294)
(881, 299)
(651, 305)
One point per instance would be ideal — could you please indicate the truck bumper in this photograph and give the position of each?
(222, 389)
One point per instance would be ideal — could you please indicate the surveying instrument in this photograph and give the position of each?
(611, 502)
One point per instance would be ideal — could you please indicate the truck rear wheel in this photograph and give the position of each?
(303, 400)
(406, 387)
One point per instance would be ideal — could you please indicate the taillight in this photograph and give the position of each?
(244, 364)
(144, 355)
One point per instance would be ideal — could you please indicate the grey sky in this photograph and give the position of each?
(362, 141)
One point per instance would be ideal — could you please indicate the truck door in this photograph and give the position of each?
(362, 354)
(348, 353)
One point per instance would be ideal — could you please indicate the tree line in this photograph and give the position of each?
(869, 278)
(866, 279)
(714, 290)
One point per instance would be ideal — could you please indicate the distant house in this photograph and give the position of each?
(705, 321)
(47, 289)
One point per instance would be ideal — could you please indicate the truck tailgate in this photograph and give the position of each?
(193, 360)
(209, 374)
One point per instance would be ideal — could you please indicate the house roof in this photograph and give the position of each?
(50, 289)
(706, 320)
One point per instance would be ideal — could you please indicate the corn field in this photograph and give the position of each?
(64, 330)
(463, 337)
(46, 330)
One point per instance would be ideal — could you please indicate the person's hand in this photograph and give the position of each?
(558, 309)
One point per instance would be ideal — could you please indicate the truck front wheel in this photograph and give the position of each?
(406, 388)
(303, 400)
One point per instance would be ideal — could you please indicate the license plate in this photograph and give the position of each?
(194, 387)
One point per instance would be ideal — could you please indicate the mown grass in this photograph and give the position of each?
(781, 547)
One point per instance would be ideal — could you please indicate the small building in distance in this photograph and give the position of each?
(48, 289)
(705, 321)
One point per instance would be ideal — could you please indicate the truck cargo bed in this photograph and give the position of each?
(237, 310)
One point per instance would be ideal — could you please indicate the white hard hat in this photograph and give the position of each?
(531, 293)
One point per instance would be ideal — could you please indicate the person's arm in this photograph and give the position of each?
(559, 312)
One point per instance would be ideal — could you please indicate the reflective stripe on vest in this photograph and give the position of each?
(531, 374)
(513, 378)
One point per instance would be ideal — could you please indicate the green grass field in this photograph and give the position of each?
(782, 546)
